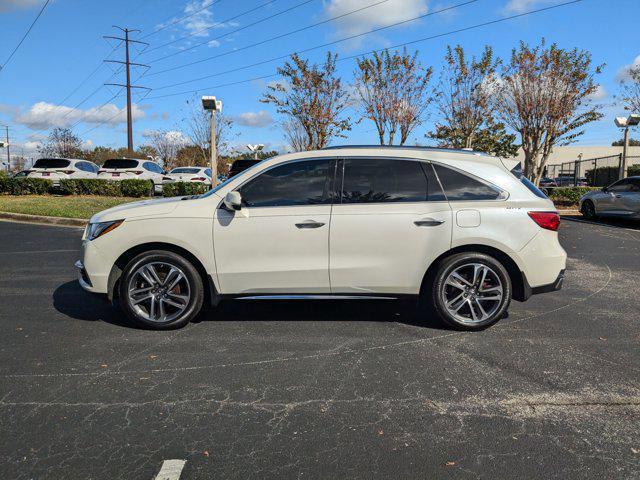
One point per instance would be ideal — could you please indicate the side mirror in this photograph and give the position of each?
(233, 201)
(605, 189)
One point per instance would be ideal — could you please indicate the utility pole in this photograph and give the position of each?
(6, 145)
(127, 63)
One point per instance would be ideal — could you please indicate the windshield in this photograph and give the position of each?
(51, 163)
(120, 163)
(219, 186)
(185, 170)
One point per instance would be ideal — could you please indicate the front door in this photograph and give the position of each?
(278, 243)
(389, 221)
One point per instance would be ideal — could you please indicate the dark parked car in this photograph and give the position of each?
(240, 166)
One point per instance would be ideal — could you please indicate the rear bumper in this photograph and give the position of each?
(551, 287)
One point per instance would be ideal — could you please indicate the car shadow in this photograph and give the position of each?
(71, 300)
(607, 221)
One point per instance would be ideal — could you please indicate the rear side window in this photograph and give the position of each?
(51, 163)
(517, 172)
(207, 172)
(458, 186)
(120, 163)
(387, 180)
(297, 183)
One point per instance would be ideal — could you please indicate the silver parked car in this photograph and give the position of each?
(621, 199)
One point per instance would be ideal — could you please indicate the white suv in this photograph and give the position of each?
(189, 174)
(56, 169)
(454, 229)
(128, 168)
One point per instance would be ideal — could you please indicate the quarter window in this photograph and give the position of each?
(297, 183)
(388, 180)
(458, 186)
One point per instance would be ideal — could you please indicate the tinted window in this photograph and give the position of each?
(207, 172)
(185, 170)
(298, 183)
(120, 163)
(458, 186)
(635, 185)
(385, 180)
(51, 163)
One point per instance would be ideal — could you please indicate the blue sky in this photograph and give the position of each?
(66, 45)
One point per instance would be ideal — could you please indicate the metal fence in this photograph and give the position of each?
(594, 172)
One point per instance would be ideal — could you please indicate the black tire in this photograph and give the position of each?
(152, 189)
(190, 285)
(588, 210)
(438, 291)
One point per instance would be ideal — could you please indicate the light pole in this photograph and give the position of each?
(621, 122)
(213, 105)
(6, 145)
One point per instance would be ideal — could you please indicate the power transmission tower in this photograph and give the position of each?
(127, 63)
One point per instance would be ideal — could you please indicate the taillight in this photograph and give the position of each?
(166, 178)
(546, 220)
(198, 179)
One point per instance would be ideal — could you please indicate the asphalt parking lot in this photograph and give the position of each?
(320, 390)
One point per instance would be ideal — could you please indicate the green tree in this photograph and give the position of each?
(491, 138)
(314, 96)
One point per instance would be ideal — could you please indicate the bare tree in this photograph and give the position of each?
(544, 95)
(294, 134)
(313, 96)
(391, 90)
(631, 90)
(61, 142)
(198, 128)
(167, 144)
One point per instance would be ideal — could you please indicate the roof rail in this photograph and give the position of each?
(409, 147)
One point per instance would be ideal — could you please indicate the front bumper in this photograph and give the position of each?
(83, 276)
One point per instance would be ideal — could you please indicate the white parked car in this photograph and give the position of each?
(454, 229)
(131, 168)
(188, 174)
(56, 169)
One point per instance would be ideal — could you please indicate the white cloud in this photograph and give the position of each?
(173, 137)
(7, 5)
(387, 13)
(599, 94)
(254, 119)
(623, 73)
(199, 21)
(520, 6)
(43, 115)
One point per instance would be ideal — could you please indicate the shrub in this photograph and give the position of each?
(603, 176)
(184, 188)
(25, 186)
(569, 194)
(107, 188)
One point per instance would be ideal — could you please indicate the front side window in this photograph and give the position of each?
(387, 180)
(621, 186)
(296, 183)
(458, 186)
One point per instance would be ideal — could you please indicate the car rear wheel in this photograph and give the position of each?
(471, 291)
(588, 210)
(161, 290)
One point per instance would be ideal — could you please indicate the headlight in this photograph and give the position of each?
(95, 230)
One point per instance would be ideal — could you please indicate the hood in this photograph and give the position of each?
(144, 208)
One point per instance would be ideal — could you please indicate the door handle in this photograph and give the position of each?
(428, 222)
(309, 224)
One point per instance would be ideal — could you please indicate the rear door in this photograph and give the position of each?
(389, 221)
(278, 243)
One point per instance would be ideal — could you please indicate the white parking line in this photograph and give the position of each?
(171, 470)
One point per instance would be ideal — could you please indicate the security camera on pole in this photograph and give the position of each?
(213, 105)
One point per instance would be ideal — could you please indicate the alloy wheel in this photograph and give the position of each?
(472, 293)
(159, 292)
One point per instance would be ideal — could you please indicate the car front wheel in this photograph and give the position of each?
(161, 290)
(588, 210)
(471, 291)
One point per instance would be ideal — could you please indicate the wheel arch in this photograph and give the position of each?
(519, 285)
(210, 292)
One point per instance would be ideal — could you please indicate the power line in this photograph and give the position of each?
(159, 29)
(281, 12)
(25, 35)
(350, 37)
(460, 30)
(198, 32)
(292, 32)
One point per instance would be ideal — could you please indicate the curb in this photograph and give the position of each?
(55, 221)
(569, 212)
